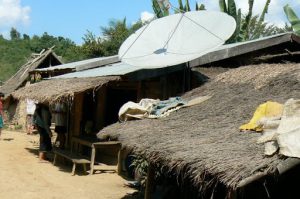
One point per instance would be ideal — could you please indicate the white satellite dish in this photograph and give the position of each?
(177, 39)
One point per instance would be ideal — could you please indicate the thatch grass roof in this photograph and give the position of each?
(21, 76)
(203, 143)
(48, 91)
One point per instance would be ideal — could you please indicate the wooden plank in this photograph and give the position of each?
(105, 144)
(73, 157)
(103, 167)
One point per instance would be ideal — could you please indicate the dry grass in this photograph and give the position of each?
(203, 143)
(49, 91)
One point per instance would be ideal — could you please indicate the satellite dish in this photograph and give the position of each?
(177, 39)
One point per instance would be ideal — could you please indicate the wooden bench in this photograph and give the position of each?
(75, 158)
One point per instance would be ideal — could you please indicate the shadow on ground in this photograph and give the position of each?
(8, 139)
(62, 164)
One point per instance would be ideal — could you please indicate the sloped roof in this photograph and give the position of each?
(203, 143)
(117, 69)
(36, 61)
(84, 64)
(232, 50)
(48, 91)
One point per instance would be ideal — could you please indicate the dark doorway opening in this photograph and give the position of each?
(115, 100)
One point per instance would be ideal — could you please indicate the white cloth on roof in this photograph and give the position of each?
(289, 129)
(286, 135)
(139, 110)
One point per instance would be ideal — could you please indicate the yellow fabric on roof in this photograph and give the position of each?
(268, 109)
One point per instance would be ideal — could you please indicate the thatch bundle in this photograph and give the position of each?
(49, 91)
(203, 143)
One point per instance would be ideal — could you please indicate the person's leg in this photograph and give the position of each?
(42, 155)
(1, 125)
(43, 144)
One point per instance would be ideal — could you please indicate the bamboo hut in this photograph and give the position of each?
(44, 59)
(16, 111)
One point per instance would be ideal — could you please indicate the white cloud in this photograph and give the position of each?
(13, 14)
(146, 16)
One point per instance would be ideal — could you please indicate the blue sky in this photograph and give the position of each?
(72, 18)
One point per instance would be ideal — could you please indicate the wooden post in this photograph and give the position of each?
(119, 169)
(93, 159)
(54, 159)
(150, 181)
(73, 169)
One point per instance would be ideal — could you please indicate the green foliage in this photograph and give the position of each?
(16, 50)
(293, 19)
(160, 10)
(14, 34)
(187, 7)
(248, 27)
(200, 7)
(140, 165)
(112, 38)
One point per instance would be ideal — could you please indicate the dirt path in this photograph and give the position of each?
(23, 177)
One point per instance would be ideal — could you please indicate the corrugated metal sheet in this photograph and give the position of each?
(251, 41)
(117, 69)
(235, 49)
(84, 64)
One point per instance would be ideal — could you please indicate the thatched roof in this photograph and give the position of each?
(203, 143)
(48, 91)
(43, 59)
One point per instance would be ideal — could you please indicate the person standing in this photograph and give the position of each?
(30, 108)
(1, 112)
(59, 114)
(42, 121)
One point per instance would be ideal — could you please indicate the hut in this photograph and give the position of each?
(16, 111)
(200, 150)
(44, 59)
(95, 95)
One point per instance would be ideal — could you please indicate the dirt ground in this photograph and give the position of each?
(22, 176)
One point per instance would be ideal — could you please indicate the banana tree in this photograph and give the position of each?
(162, 10)
(293, 19)
(230, 9)
(242, 23)
(159, 10)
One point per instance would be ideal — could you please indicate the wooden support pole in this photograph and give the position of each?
(73, 169)
(93, 159)
(150, 181)
(119, 169)
(54, 159)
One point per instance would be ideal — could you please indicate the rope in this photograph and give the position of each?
(135, 41)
